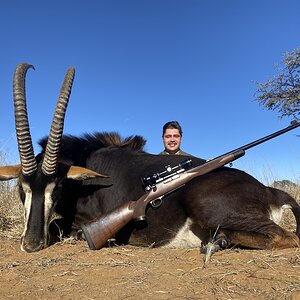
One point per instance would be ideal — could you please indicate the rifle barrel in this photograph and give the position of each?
(294, 124)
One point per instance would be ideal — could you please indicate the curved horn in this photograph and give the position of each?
(26, 153)
(49, 166)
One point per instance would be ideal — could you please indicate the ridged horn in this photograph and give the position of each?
(25, 147)
(49, 165)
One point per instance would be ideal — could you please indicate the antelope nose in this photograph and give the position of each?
(31, 246)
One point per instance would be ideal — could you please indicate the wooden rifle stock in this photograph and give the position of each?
(104, 227)
(99, 230)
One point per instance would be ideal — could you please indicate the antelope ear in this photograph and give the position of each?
(79, 173)
(10, 172)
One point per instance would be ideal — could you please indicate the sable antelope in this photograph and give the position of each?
(246, 212)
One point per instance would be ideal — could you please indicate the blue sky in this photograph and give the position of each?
(142, 63)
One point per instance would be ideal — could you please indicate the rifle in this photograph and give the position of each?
(99, 230)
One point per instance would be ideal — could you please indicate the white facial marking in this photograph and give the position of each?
(276, 213)
(185, 238)
(48, 205)
(27, 207)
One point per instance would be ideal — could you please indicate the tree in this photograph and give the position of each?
(282, 93)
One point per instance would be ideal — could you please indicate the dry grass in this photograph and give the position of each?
(288, 221)
(11, 211)
(132, 272)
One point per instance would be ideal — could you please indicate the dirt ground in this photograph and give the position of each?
(69, 270)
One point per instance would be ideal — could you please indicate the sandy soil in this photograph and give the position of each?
(70, 270)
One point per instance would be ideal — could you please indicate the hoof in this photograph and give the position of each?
(215, 244)
(221, 240)
(223, 243)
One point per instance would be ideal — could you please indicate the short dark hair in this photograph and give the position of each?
(172, 125)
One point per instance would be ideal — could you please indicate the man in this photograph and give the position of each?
(172, 136)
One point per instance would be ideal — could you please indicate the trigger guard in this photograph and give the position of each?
(155, 204)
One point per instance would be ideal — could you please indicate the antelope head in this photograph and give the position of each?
(39, 176)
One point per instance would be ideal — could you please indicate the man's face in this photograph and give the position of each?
(172, 140)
